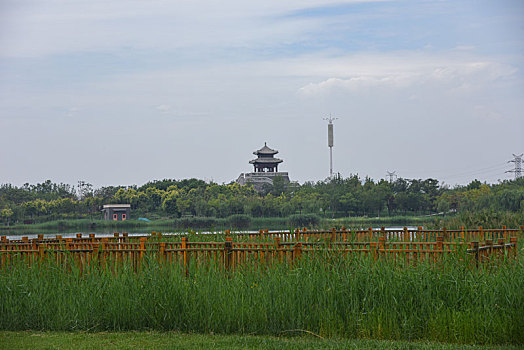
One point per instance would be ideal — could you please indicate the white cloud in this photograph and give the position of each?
(35, 28)
(163, 108)
(457, 74)
(72, 111)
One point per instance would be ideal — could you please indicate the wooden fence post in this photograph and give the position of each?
(481, 234)
(161, 252)
(297, 251)
(373, 247)
(142, 249)
(489, 243)
(41, 252)
(502, 251)
(405, 238)
(475, 247)
(277, 248)
(381, 246)
(440, 243)
(228, 253)
(440, 248)
(184, 255)
(95, 253)
(513, 240)
(102, 254)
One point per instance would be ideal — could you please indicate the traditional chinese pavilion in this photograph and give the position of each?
(265, 169)
(266, 161)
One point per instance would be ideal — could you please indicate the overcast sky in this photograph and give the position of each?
(124, 92)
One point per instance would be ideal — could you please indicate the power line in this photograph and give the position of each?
(499, 166)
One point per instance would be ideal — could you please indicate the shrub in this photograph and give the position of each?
(239, 221)
(195, 222)
(303, 220)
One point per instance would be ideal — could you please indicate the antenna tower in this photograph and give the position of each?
(518, 165)
(391, 175)
(330, 143)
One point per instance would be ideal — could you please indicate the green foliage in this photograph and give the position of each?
(330, 296)
(197, 222)
(334, 198)
(303, 220)
(239, 221)
(485, 218)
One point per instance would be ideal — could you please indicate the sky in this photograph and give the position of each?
(126, 92)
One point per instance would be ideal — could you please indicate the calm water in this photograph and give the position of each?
(13, 235)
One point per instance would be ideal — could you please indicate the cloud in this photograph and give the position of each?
(72, 111)
(163, 108)
(456, 74)
(34, 28)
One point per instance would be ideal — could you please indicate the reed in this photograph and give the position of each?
(326, 294)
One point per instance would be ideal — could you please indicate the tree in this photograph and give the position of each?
(6, 214)
(85, 189)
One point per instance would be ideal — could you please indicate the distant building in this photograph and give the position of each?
(265, 169)
(116, 212)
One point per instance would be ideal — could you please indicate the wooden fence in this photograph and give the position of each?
(230, 254)
(305, 235)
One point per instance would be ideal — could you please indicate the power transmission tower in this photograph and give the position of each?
(391, 176)
(518, 165)
(330, 143)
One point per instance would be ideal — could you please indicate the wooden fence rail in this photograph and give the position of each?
(230, 254)
(304, 235)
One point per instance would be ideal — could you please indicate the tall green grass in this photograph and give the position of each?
(327, 295)
(484, 218)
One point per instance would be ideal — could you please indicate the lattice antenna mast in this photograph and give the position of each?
(330, 143)
(391, 176)
(518, 165)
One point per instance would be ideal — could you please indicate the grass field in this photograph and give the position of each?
(172, 340)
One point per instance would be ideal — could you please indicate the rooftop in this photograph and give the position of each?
(107, 206)
(265, 150)
(266, 160)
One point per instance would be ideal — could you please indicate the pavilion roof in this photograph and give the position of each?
(265, 161)
(265, 150)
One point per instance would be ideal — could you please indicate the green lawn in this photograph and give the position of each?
(172, 340)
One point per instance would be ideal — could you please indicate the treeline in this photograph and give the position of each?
(338, 197)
